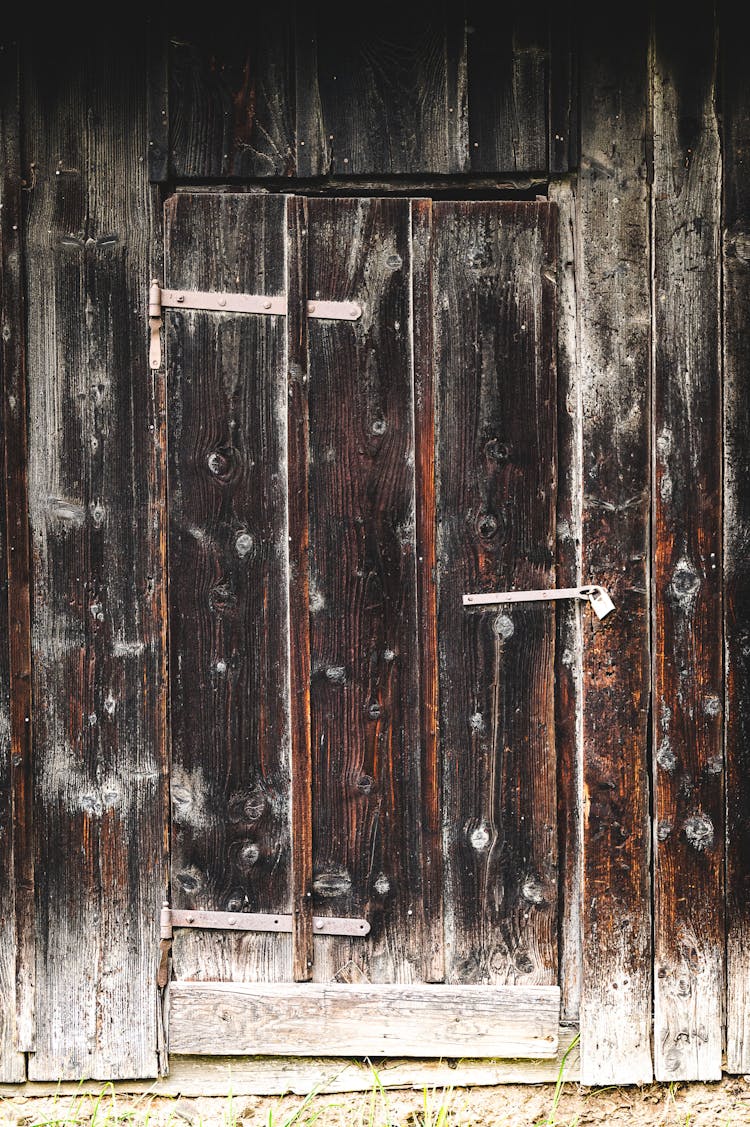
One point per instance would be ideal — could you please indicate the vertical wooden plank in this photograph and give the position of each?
(231, 95)
(299, 589)
(612, 273)
(228, 561)
(563, 92)
(687, 654)
(384, 94)
(493, 294)
(568, 637)
(363, 633)
(424, 443)
(158, 97)
(508, 69)
(16, 844)
(736, 318)
(95, 508)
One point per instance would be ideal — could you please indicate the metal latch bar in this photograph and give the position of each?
(592, 593)
(225, 302)
(256, 921)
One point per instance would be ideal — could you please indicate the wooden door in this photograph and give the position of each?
(362, 770)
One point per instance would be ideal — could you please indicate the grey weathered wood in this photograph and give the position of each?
(364, 1020)
(612, 282)
(687, 551)
(496, 408)
(569, 620)
(97, 609)
(736, 313)
(228, 558)
(508, 75)
(16, 848)
(384, 94)
(270, 1076)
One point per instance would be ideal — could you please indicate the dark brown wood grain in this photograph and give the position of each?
(231, 95)
(736, 318)
(384, 93)
(493, 286)
(367, 843)
(157, 107)
(228, 560)
(563, 91)
(612, 283)
(508, 75)
(424, 438)
(299, 589)
(687, 553)
(16, 843)
(94, 506)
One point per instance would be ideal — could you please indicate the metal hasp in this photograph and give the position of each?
(256, 921)
(597, 596)
(262, 304)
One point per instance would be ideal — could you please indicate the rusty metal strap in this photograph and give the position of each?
(256, 921)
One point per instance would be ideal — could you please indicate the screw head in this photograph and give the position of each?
(180, 297)
(311, 307)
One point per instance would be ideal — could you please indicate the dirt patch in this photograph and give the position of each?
(726, 1104)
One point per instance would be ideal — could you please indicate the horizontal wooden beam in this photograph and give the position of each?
(369, 1021)
(279, 1076)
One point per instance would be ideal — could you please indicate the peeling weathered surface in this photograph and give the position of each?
(363, 638)
(97, 563)
(687, 645)
(228, 617)
(614, 317)
(493, 301)
(568, 637)
(736, 257)
(16, 846)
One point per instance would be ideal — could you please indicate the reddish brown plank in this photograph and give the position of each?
(363, 633)
(299, 589)
(493, 305)
(16, 840)
(736, 315)
(612, 283)
(687, 636)
(228, 559)
(95, 507)
(424, 438)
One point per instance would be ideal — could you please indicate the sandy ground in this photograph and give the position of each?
(726, 1104)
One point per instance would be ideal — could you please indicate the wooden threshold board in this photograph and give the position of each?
(369, 1021)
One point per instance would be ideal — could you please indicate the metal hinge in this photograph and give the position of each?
(599, 598)
(262, 304)
(171, 918)
(256, 921)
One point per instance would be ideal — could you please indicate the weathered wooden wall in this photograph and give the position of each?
(653, 307)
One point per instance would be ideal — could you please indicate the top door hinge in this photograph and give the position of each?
(270, 305)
